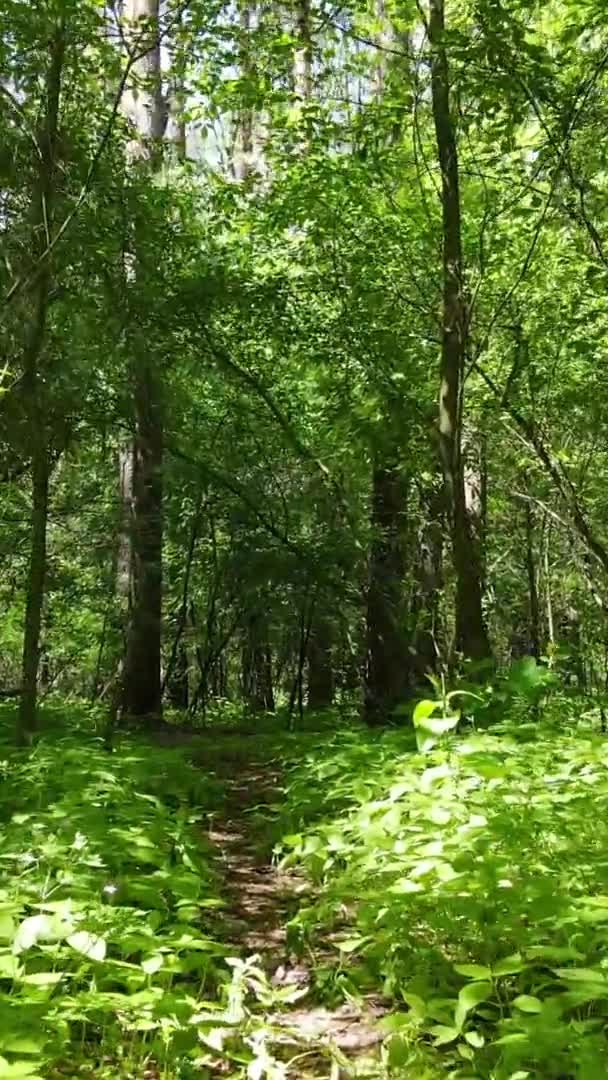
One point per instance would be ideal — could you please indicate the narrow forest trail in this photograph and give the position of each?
(313, 1039)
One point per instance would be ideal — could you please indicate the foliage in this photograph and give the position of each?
(109, 959)
(471, 882)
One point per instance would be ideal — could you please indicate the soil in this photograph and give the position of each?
(312, 1039)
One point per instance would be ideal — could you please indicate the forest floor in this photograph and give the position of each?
(310, 1037)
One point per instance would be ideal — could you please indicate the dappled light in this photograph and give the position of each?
(303, 540)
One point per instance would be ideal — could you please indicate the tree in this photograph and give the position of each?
(471, 634)
(142, 473)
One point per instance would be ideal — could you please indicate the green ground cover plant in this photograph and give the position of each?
(106, 888)
(470, 882)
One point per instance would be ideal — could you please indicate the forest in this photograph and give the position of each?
(303, 539)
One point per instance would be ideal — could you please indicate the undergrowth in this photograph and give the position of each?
(108, 964)
(469, 883)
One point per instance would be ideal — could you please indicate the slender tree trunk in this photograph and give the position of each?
(34, 391)
(258, 689)
(320, 662)
(243, 156)
(182, 617)
(533, 604)
(471, 633)
(35, 596)
(429, 639)
(548, 588)
(177, 684)
(142, 664)
(302, 68)
(387, 667)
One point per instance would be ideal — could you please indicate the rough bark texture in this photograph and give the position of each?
(141, 678)
(35, 411)
(386, 674)
(142, 675)
(471, 634)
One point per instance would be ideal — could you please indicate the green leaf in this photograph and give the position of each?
(18, 1070)
(42, 978)
(22, 1044)
(152, 964)
(88, 944)
(509, 965)
(7, 926)
(424, 709)
(528, 1003)
(439, 725)
(473, 971)
(475, 1039)
(469, 997)
(31, 931)
(443, 1034)
(350, 945)
(9, 966)
(580, 975)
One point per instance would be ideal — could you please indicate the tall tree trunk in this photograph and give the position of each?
(429, 643)
(548, 587)
(302, 68)
(533, 604)
(387, 666)
(257, 666)
(146, 113)
(320, 663)
(36, 417)
(35, 595)
(471, 633)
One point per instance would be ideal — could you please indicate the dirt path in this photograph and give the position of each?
(341, 1042)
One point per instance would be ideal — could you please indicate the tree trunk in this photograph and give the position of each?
(320, 663)
(257, 667)
(141, 679)
(142, 676)
(471, 633)
(36, 419)
(177, 683)
(245, 121)
(429, 639)
(35, 596)
(387, 668)
(533, 604)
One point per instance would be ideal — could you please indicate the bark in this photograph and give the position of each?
(471, 633)
(548, 590)
(177, 131)
(183, 611)
(429, 638)
(320, 663)
(177, 682)
(243, 157)
(142, 675)
(387, 674)
(257, 667)
(533, 604)
(35, 414)
(141, 679)
(35, 597)
(302, 68)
